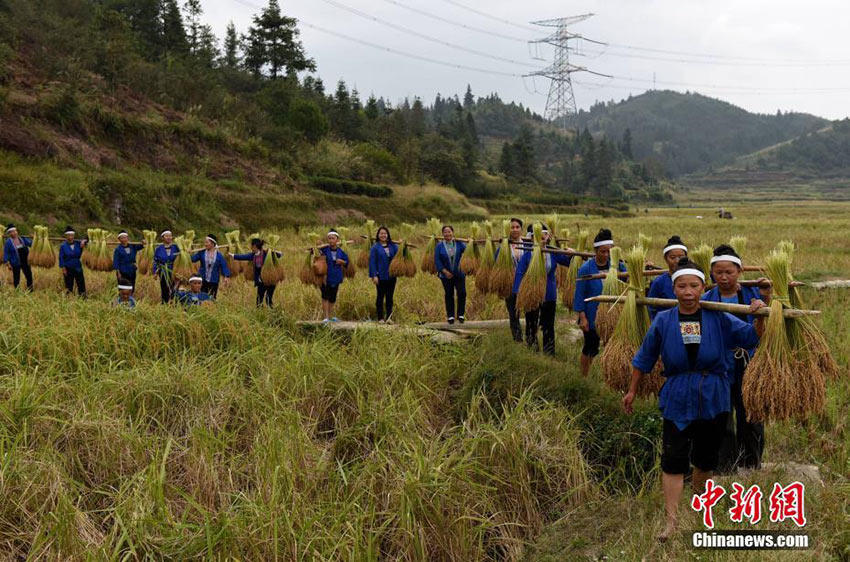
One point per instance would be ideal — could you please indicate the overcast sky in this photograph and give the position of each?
(762, 55)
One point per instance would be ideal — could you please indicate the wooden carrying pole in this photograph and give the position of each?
(372, 241)
(654, 272)
(708, 305)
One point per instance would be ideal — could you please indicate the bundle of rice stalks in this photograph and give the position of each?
(644, 241)
(318, 262)
(553, 222)
(486, 261)
(183, 266)
(272, 271)
(144, 259)
(502, 273)
(562, 273)
(351, 270)
(532, 288)
(568, 287)
(472, 256)
(607, 315)
(776, 386)
(96, 256)
(701, 256)
(42, 253)
(629, 332)
(232, 238)
(787, 247)
(807, 340)
(428, 257)
(248, 266)
(739, 244)
(363, 256)
(403, 264)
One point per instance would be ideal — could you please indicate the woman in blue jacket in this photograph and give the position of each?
(265, 293)
(380, 255)
(213, 266)
(337, 260)
(662, 286)
(602, 244)
(163, 264)
(70, 254)
(743, 442)
(16, 253)
(693, 344)
(517, 251)
(544, 316)
(124, 259)
(447, 259)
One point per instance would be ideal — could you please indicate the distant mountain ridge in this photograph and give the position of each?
(691, 132)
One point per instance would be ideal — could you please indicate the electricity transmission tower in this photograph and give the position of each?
(561, 103)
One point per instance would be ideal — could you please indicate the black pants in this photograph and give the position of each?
(210, 288)
(16, 274)
(698, 444)
(513, 317)
(165, 286)
(75, 276)
(265, 292)
(129, 276)
(743, 442)
(386, 289)
(456, 284)
(544, 318)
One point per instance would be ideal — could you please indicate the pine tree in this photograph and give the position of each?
(626, 146)
(417, 118)
(524, 153)
(372, 108)
(468, 99)
(506, 160)
(174, 40)
(273, 43)
(231, 47)
(193, 11)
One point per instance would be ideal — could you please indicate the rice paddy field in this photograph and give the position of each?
(227, 433)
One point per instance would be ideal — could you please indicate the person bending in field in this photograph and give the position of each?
(213, 266)
(337, 260)
(163, 264)
(125, 295)
(70, 253)
(380, 255)
(124, 259)
(602, 244)
(194, 296)
(447, 257)
(265, 293)
(544, 316)
(693, 344)
(662, 286)
(16, 253)
(743, 442)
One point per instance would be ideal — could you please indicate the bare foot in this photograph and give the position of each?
(668, 531)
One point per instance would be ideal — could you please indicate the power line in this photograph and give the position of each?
(455, 23)
(489, 16)
(597, 85)
(430, 38)
(718, 62)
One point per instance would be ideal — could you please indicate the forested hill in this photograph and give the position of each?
(691, 132)
(116, 111)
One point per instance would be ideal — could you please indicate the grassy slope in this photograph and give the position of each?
(196, 410)
(112, 157)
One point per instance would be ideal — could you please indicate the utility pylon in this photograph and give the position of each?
(561, 103)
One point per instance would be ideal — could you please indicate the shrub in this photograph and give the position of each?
(350, 187)
(306, 117)
(379, 163)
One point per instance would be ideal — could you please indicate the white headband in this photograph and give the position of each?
(11, 228)
(681, 272)
(213, 241)
(120, 234)
(733, 259)
(603, 243)
(70, 232)
(125, 287)
(164, 232)
(195, 278)
(675, 247)
(334, 232)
